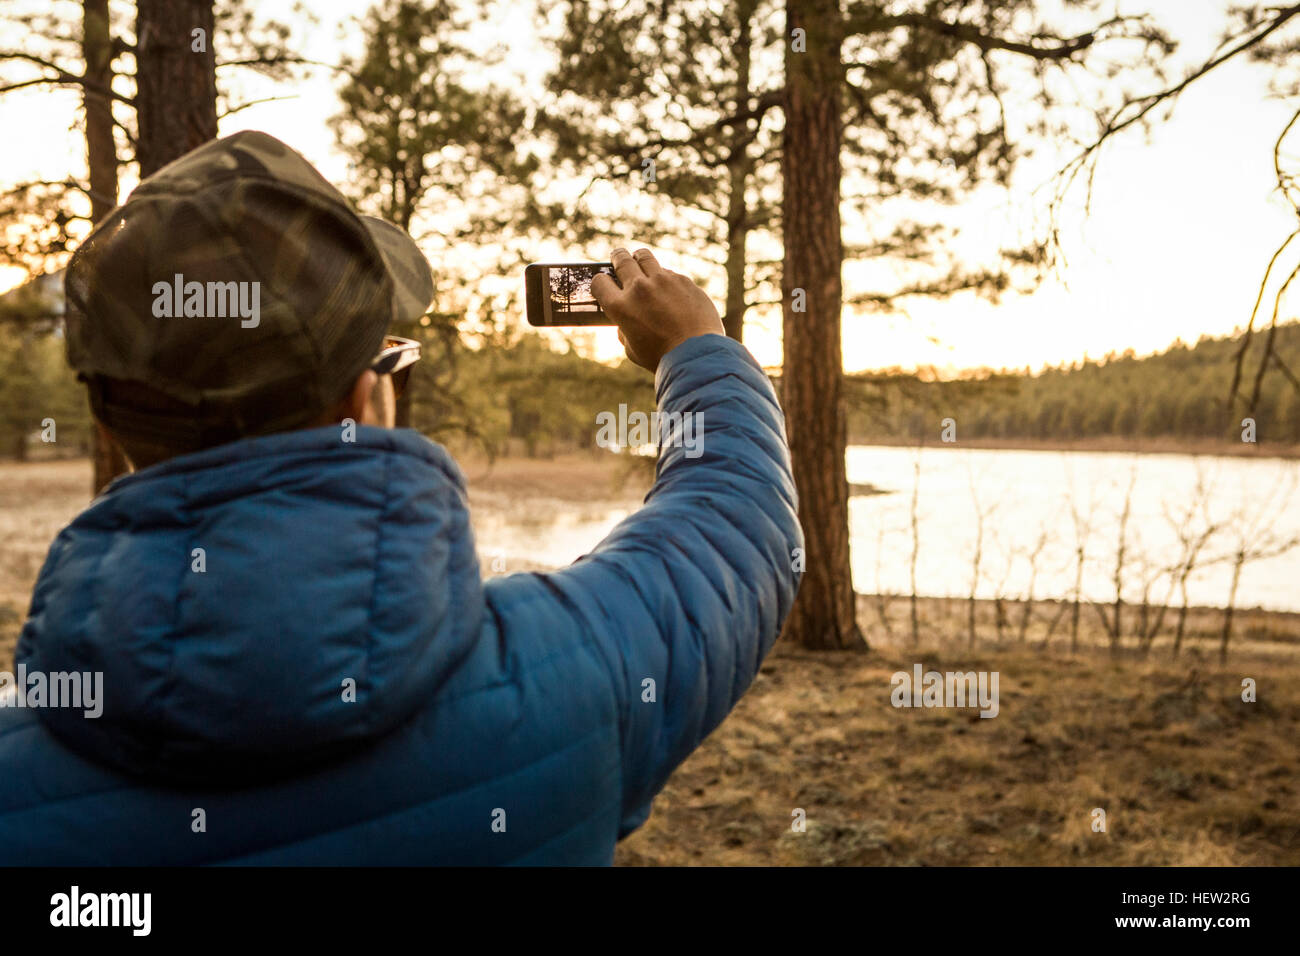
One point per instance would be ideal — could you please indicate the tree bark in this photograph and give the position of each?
(176, 86)
(101, 161)
(101, 150)
(824, 616)
(407, 190)
(739, 169)
(733, 318)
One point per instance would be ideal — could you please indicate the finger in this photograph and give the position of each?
(604, 289)
(625, 266)
(647, 261)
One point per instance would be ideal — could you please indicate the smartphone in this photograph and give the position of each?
(559, 293)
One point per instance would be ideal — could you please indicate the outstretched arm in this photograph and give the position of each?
(687, 596)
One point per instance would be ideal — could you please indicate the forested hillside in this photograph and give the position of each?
(509, 392)
(512, 390)
(1180, 393)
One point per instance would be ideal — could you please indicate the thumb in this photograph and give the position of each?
(631, 353)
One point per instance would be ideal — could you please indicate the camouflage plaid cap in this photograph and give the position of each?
(238, 287)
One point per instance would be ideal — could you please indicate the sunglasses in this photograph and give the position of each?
(397, 358)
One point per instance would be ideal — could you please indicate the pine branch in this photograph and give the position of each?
(61, 78)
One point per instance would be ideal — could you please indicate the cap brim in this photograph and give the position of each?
(412, 277)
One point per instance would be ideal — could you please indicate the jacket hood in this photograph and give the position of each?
(261, 606)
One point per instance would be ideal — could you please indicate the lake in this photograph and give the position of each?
(1029, 502)
(1029, 497)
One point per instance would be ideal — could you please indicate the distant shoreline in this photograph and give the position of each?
(1148, 446)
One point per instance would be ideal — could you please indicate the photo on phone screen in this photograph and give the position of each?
(559, 293)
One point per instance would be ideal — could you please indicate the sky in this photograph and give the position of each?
(1181, 225)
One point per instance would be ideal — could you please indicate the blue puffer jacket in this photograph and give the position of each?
(501, 722)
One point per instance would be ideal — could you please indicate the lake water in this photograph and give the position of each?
(1028, 496)
(1030, 501)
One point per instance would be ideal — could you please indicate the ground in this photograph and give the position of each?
(1186, 772)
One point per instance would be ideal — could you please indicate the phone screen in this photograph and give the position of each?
(559, 293)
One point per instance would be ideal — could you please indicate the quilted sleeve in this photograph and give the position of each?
(687, 596)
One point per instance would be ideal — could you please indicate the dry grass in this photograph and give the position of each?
(36, 500)
(1187, 773)
(530, 487)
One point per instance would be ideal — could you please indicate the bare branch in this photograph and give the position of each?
(64, 78)
(282, 61)
(1143, 105)
(1284, 181)
(870, 20)
(264, 99)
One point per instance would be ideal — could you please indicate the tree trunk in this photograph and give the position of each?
(101, 160)
(176, 98)
(824, 616)
(1238, 561)
(1078, 596)
(916, 547)
(1061, 608)
(733, 318)
(739, 168)
(975, 574)
(1120, 556)
(101, 150)
(1182, 622)
(1028, 609)
(400, 214)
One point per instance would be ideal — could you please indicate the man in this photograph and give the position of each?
(297, 660)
